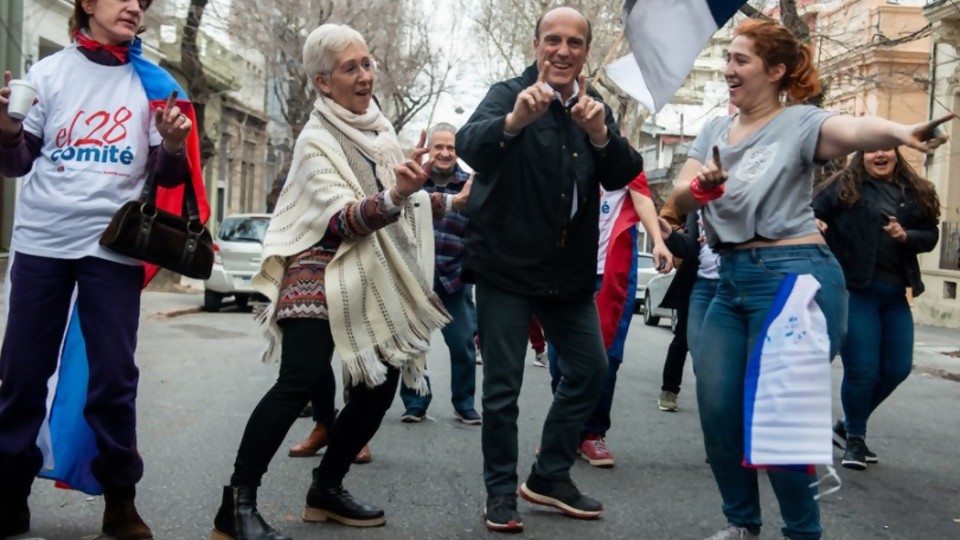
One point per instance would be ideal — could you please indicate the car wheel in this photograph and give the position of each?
(648, 317)
(242, 300)
(673, 320)
(212, 301)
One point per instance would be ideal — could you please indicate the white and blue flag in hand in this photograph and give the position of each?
(665, 38)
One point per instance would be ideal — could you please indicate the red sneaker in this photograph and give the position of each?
(594, 449)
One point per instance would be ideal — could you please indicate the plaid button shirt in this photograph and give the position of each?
(449, 233)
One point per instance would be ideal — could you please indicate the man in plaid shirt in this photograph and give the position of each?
(449, 187)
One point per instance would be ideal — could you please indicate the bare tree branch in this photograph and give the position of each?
(198, 86)
(792, 20)
(754, 13)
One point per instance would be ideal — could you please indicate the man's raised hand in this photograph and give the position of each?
(460, 199)
(589, 114)
(531, 103)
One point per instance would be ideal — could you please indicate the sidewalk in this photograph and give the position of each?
(153, 305)
(937, 351)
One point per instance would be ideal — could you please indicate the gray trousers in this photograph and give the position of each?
(573, 326)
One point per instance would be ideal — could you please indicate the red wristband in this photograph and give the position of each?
(702, 195)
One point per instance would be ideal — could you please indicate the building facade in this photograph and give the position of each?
(941, 268)
(874, 57)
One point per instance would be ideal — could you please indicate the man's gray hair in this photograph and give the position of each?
(324, 44)
(440, 127)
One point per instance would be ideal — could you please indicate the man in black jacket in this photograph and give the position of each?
(539, 143)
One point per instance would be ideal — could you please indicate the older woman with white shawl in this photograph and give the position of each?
(344, 267)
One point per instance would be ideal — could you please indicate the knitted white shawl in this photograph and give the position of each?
(380, 298)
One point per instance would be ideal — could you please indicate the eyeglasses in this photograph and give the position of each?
(352, 68)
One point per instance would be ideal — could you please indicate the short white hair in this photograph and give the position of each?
(324, 44)
(442, 127)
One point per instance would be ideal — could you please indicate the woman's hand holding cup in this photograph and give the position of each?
(16, 98)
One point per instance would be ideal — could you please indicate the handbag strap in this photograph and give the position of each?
(189, 208)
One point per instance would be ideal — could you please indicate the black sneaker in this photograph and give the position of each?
(469, 417)
(501, 515)
(840, 441)
(413, 416)
(840, 434)
(854, 457)
(562, 495)
(336, 504)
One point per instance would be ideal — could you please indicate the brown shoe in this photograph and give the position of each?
(308, 447)
(120, 518)
(364, 456)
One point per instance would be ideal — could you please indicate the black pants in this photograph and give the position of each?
(305, 360)
(574, 328)
(676, 353)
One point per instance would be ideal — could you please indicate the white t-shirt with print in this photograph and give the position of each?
(97, 129)
(610, 204)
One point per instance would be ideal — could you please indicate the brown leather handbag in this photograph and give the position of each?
(179, 243)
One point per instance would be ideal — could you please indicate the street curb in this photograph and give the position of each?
(938, 372)
(178, 312)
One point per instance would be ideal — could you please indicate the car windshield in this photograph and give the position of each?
(247, 229)
(644, 261)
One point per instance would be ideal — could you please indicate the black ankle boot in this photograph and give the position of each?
(14, 515)
(336, 504)
(238, 518)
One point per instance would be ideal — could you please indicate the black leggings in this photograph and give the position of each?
(304, 364)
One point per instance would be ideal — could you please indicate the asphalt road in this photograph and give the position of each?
(201, 377)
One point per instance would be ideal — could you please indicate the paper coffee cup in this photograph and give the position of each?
(22, 94)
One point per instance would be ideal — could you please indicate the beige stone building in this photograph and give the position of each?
(941, 268)
(874, 56)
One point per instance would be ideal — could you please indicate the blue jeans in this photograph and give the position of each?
(458, 335)
(748, 284)
(599, 422)
(878, 353)
(700, 297)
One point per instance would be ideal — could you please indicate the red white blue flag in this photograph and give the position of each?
(618, 289)
(665, 37)
(787, 388)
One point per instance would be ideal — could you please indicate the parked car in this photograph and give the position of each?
(236, 259)
(651, 287)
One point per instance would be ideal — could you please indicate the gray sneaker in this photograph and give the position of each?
(667, 401)
(732, 532)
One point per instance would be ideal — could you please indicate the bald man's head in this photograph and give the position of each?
(564, 11)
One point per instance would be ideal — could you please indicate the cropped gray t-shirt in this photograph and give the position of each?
(770, 183)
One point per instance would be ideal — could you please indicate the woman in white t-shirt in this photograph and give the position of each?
(84, 149)
(764, 228)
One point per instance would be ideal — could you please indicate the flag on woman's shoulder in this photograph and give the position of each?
(665, 37)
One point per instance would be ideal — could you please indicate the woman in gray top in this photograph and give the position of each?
(752, 174)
